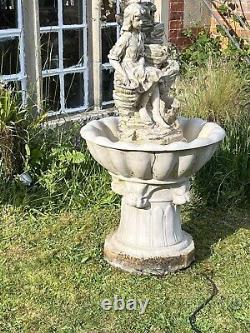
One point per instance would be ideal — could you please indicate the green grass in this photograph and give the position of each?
(53, 276)
(217, 92)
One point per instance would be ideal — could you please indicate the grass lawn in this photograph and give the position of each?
(53, 276)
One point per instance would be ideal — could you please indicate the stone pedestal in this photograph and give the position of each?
(150, 239)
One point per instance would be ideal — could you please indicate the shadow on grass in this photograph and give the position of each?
(208, 227)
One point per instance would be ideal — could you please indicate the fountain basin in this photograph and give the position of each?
(149, 161)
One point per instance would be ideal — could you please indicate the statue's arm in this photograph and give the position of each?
(117, 54)
(118, 68)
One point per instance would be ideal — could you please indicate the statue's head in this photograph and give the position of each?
(132, 18)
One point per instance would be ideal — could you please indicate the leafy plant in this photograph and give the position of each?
(63, 172)
(205, 45)
(17, 126)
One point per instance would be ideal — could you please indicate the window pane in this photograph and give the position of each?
(72, 12)
(9, 62)
(49, 50)
(14, 85)
(73, 53)
(109, 37)
(74, 90)
(108, 11)
(51, 93)
(8, 14)
(107, 85)
(48, 10)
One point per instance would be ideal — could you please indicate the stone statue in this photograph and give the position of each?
(144, 75)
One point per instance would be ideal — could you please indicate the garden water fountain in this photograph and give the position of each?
(149, 151)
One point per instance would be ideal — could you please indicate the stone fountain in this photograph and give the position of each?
(150, 152)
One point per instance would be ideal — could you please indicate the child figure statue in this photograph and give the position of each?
(143, 77)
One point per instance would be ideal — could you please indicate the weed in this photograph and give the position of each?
(12, 132)
(64, 174)
(219, 92)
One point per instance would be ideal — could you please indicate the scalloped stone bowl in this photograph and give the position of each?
(153, 180)
(149, 161)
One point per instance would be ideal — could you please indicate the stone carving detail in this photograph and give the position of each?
(140, 195)
(144, 75)
(180, 194)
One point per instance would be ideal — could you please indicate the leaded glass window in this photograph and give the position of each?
(64, 54)
(12, 68)
(110, 34)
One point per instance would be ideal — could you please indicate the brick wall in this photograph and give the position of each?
(176, 23)
(181, 11)
(246, 10)
(242, 9)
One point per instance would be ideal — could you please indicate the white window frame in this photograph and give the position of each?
(61, 71)
(17, 33)
(163, 8)
(107, 66)
(25, 41)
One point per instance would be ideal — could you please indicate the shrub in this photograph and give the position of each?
(205, 46)
(64, 174)
(218, 92)
(64, 170)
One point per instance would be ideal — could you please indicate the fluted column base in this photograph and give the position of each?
(149, 239)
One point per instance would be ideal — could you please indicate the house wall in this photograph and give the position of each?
(196, 15)
(183, 15)
(243, 9)
(176, 23)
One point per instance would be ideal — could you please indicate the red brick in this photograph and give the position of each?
(183, 40)
(176, 16)
(175, 24)
(174, 33)
(176, 1)
(177, 7)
